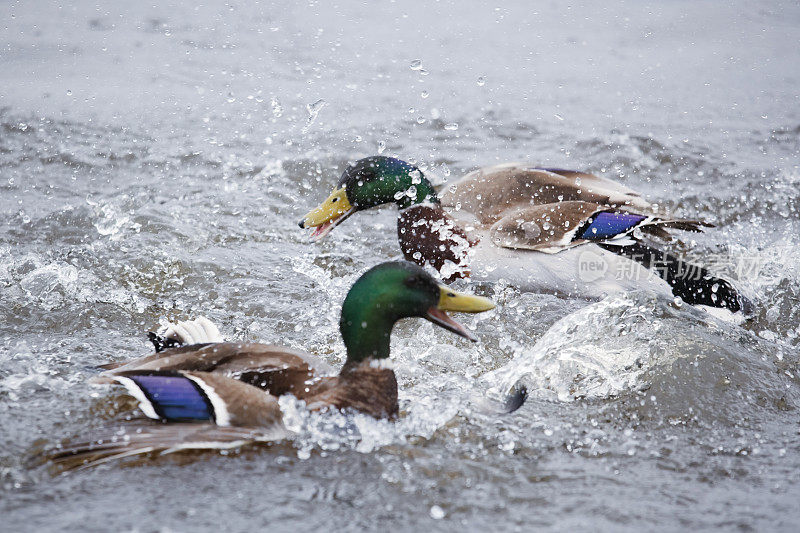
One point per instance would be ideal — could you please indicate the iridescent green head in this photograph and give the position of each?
(393, 291)
(367, 183)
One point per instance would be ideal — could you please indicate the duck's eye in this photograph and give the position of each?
(451, 295)
(335, 200)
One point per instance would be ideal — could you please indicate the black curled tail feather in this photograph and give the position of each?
(693, 283)
(162, 343)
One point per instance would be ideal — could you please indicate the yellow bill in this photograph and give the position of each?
(461, 302)
(450, 300)
(330, 213)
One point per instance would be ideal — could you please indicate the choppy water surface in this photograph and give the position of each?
(154, 161)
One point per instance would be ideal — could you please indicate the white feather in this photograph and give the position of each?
(134, 390)
(221, 415)
(212, 333)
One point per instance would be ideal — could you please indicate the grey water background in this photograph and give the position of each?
(154, 161)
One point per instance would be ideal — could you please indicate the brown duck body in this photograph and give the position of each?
(536, 227)
(240, 412)
(518, 208)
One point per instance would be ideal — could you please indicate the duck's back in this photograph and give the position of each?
(489, 192)
(278, 369)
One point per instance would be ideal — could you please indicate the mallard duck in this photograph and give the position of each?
(229, 390)
(540, 229)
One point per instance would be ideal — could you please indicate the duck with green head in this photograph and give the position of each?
(214, 385)
(539, 229)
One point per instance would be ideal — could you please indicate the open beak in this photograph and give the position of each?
(330, 213)
(450, 300)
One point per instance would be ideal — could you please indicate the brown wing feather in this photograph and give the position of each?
(489, 193)
(545, 228)
(246, 405)
(149, 437)
(277, 369)
(551, 228)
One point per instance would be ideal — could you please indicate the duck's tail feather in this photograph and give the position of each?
(198, 331)
(160, 343)
(694, 284)
(130, 440)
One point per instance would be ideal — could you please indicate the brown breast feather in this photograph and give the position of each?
(429, 236)
(364, 388)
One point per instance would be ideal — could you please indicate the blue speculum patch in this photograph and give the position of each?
(175, 397)
(609, 224)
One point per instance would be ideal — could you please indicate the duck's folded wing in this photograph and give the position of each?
(200, 396)
(554, 227)
(132, 439)
(278, 369)
(489, 192)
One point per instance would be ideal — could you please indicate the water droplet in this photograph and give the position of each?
(420, 120)
(416, 64)
(577, 182)
(416, 177)
(559, 117)
(313, 111)
(451, 126)
(277, 108)
(381, 146)
(424, 94)
(69, 92)
(437, 513)
(481, 81)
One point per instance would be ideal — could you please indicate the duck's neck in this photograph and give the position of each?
(366, 336)
(366, 322)
(418, 191)
(430, 237)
